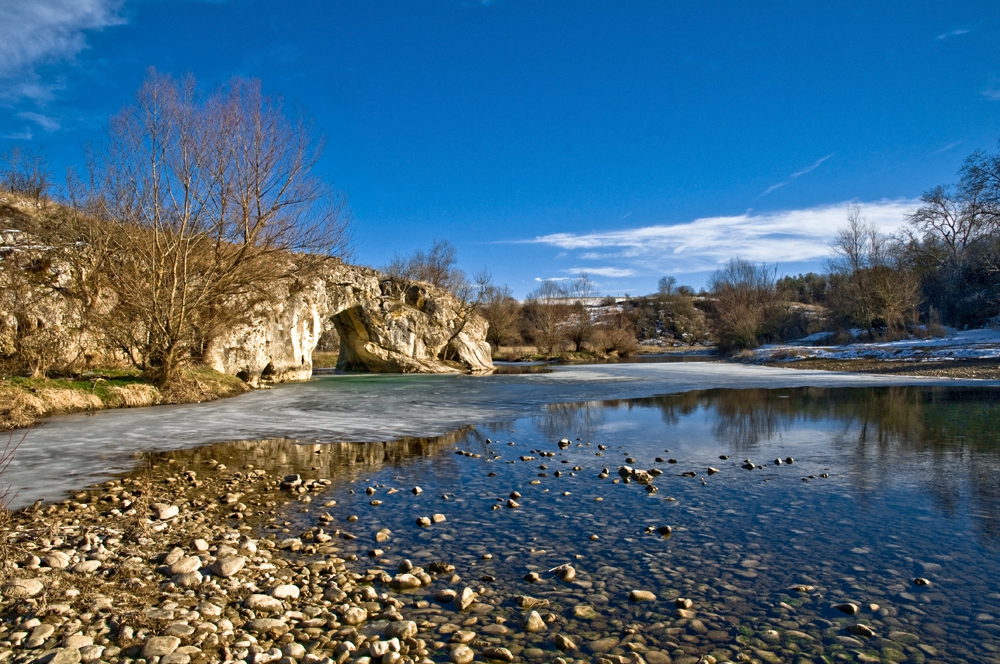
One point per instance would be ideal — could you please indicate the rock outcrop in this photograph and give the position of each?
(385, 324)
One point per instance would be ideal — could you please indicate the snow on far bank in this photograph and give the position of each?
(965, 345)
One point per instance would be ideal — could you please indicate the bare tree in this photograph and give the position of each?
(581, 289)
(877, 291)
(666, 285)
(501, 312)
(981, 174)
(615, 333)
(579, 326)
(746, 303)
(25, 171)
(211, 199)
(549, 312)
(958, 219)
(437, 266)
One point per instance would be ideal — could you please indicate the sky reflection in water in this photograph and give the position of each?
(911, 492)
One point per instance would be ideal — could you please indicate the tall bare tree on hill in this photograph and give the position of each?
(211, 200)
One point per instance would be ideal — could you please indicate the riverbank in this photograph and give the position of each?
(24, 401)
(967, 354)
(532, 354)
(981, 369)
(171, 564)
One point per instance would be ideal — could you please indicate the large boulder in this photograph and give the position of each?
(385, 325)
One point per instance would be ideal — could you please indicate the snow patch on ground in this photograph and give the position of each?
(964, 345)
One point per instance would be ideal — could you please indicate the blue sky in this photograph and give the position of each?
(627, 139)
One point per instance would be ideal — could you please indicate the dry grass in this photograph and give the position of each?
(988, 369)
(19, 408)
(23, 402)
(59, 400)
(137, 525)
(136, 395)
(195, 385)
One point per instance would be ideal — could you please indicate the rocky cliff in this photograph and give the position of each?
(386, 325)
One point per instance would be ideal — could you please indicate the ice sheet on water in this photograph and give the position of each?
(72, 451)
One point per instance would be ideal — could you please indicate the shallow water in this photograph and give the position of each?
(69, 452)
(911, 491)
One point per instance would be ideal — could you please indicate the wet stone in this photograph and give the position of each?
(533, 622)
(847, 607)
(499, 654)
(461, 654)
(641, 596)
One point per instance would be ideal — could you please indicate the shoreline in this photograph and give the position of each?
(24, 402)
(961, 369)
(170, 563)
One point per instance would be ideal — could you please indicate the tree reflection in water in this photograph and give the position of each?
(943, 439)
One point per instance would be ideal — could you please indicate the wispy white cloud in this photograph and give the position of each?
(25, 135)
(950, 146)
(992, 92)
(35, 33)
(613, 272)
(794, 176)
(953, 33)
(704, 244)
(44, 121)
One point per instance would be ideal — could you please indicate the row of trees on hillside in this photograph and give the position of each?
(943, 268)
(560, 316)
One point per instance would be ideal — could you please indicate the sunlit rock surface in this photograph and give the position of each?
(386, 325)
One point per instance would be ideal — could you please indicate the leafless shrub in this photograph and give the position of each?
(502, 313)
(25, 171)
(437, 266)
(878, 293)
(8, 550)
(615, 334)
(746, 304)
(546, 312)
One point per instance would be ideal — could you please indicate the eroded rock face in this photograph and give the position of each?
(386, 325)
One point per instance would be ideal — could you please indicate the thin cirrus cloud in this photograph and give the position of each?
(952, 33)
(950, 146)
(35, 33)
(794, 176)
(788, 236)
(611, 272)
(44, 121)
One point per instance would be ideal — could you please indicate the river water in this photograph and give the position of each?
(890, 481)
(68, 452)
(877, 487)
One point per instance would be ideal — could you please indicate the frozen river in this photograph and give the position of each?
(68, 452)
